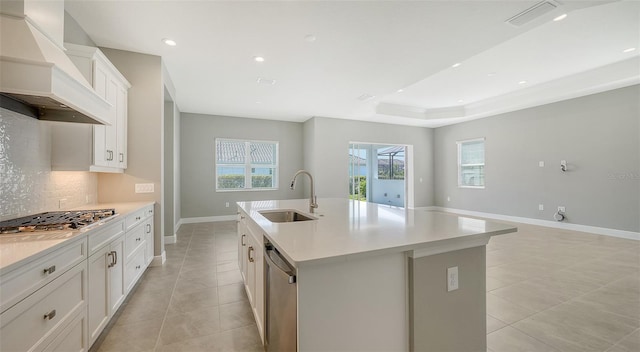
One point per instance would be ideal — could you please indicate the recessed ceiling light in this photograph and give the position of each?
(628, 50)
(457, 64)
(491, 74)
(522, 82)
(258, 59)
(560, 18)
(169, 42)
(400, 90)
(460, 101)
(310, 38)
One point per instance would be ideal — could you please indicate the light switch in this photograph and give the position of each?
(144, 188)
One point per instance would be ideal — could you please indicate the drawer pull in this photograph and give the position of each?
(249, 251)
(50, 315)
(137, 266)
(138, 239)
(137, 218)
(50, 269)
(114, 259)
(148, 228)
(242, 240)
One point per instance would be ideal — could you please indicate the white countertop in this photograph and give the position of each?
(21, 248)
(347, 228)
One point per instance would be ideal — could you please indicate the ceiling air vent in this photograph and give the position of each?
(532, 13)
(266, 81)
(365, 97)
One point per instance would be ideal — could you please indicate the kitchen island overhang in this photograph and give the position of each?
(375, 277)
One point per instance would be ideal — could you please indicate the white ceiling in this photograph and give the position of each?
(375, 48)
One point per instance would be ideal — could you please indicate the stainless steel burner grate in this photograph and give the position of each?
(56, 220)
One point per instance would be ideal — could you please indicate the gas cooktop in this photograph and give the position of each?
(56, 220)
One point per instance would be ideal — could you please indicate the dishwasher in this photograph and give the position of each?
(281, 302)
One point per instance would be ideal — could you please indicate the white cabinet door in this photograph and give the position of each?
(116, 275)
(148, 233)
(98, 292)
(242, 249)
(121, 127)
(106, 285)
(251, 268)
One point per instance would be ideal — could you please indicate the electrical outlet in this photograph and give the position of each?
(452, 278)
(540, 206)
(541, 163)
(62, 203)
(448, 199)
(562, 209)
(226, 204)
(420, 179)
(144, 188)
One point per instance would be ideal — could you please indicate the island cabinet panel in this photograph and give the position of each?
(251, 265)
(458, 321)
(361, 303)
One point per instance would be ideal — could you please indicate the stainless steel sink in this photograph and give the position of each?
(285, 216)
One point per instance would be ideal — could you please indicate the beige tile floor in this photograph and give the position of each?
(547, 290)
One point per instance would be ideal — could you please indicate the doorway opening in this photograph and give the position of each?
(378, 173)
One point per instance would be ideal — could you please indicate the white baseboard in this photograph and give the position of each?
(171, 239)
(206, 219)
(159, 260)
(546, 223)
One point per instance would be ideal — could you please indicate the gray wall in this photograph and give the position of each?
(197, 145)
(144, 135)
(598, 135)
(176, 167)
(74, 34)
(327, 158)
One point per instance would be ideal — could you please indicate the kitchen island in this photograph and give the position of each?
(374, 277)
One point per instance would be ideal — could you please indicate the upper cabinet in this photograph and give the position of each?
(100, 148)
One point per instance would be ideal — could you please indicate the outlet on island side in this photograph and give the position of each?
(452, 279)
(226, 204)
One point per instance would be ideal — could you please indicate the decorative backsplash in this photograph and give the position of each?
(27, 184)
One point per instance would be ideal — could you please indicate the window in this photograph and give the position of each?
(471, 163)
(246, 165)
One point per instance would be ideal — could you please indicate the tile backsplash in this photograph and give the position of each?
(27, 184)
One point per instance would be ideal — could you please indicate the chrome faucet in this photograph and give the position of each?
(313, 200)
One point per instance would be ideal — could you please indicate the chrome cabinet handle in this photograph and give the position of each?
(148, 228)
(114, 259)
(50, 315)
(137, 218)
(242, 240)
(121, 157)
(50, 269)
(137, 266)
(249, 254)
(138, 239)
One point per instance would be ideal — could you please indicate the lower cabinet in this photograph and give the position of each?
(63, 300)
(38, 320)
(106, 285)
(251, 264)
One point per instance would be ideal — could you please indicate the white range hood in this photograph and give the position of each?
(37, 78)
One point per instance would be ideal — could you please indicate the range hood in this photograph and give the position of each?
(38, 79)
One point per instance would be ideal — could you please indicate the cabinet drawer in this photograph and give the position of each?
(138, 216)
(101, 237)
(134, 268)
(20, 283)
(73, 337)
(133, 240)
(36, 321)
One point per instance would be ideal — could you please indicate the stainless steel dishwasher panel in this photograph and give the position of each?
(281, 302)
